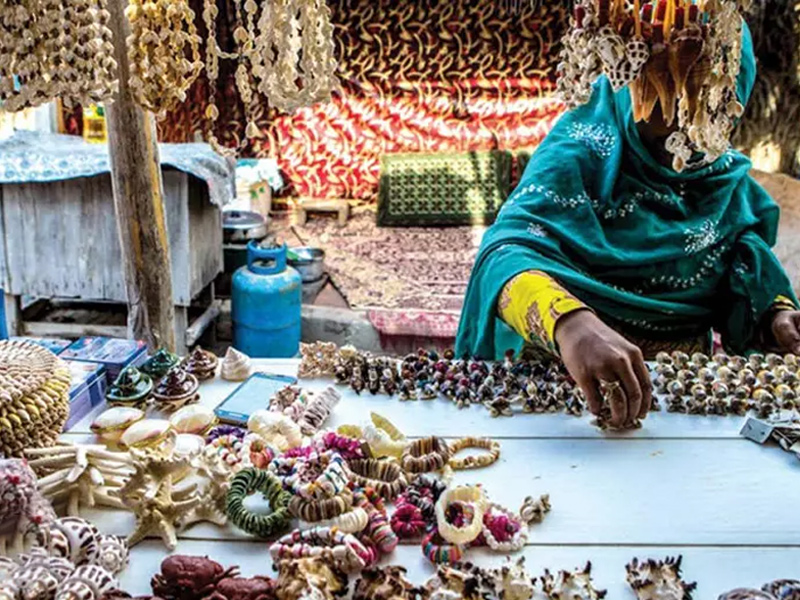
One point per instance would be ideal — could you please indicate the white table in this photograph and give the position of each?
(680, 485)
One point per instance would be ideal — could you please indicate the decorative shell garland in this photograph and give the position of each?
(236, 365)
(658, 579)
(164, 53)
(34, 396)
(686, 58)
(55, 49)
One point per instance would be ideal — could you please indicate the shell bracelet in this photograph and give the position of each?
(471, 461)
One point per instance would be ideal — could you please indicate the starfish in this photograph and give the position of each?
(152, 470)
(158, 515)
(212, 491)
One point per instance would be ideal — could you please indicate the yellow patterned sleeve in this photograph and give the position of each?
(532, 303)
(783, 303)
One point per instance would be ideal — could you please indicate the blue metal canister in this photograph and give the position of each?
(266, 298)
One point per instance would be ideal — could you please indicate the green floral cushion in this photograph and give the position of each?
(443, 189)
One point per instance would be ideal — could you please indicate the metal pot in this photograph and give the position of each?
(309, 262)
(241, 226)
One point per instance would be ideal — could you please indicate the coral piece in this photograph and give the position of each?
(236, 365)
(189, 577)
(309, 578)
(575, 585)
(22, 506)
(176, 390)
(658, 579)
(201, 363)
(161, 363)
(80, 475)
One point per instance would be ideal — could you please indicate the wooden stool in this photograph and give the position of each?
(303, 206)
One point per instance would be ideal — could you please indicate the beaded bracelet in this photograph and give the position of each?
(378, 529)
(503, 532)
(470, 496)
(332, 479)
(407, 521)
(437, 551)
(385, 476)
(425, 455)
(473, 461)
(343, 549)
(350, 522)
(246, 482)
(318, 510)
(367, 497)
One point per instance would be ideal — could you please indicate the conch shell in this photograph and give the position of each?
(656, 71)
(644, 97)
(236, 365)
(655, 579)
(684, 51)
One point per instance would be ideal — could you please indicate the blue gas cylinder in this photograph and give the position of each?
(266, 297)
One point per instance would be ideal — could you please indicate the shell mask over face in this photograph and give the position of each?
(684, 55)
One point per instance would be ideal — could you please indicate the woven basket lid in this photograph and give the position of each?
(24, 368)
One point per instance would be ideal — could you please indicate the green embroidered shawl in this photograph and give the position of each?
(658, 255)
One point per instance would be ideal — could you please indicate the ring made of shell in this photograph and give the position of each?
(163, 35)
(613, 395)
(160, 364)
(80, 475)
(34, 396)
(176, 390)
(656, 579)
(723, 385)
(130, 388)
(201, 363)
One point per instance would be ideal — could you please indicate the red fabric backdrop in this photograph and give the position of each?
(417, 76)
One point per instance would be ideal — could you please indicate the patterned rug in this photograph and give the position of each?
(411, 280)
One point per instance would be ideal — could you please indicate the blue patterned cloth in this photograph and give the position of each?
(37, 157)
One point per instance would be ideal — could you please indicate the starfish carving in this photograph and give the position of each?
(152, 470)
(159, 514)
(212, 491)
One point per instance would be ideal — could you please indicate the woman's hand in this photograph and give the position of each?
(593, 352)
(786, 329)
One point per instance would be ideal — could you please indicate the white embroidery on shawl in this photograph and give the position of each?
(700, 238)
(673, 282)
(600, 139)
(536, 230)
(569, 202)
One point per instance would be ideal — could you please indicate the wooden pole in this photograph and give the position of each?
(139, 204)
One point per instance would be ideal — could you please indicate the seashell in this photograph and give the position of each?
(201, 363)
(131, 388)
(637, 51)
(112, 553)
(783, 589)
(698, 391)
(756, 361)
(725, 374)
(176, 390)
(765, 377)
(686, 376)
(685, 49)
(676, 404)
(665, 369)
(763, 395)
(720, 359)
(697, 77)
(236, 365)
(747, 377)
(699, 359)
(663, 358)
(651, 579)
(112, 423)
(746, 594)
(785, 374)
(195, 419)
(654, 71)
(574, 585)
(160, 364)
(719, 389)
(148, 433)
(706, 375)
(737, 363)
(676, 388)
(790, 360)
(773, 360)
(188, 444)
(680, 359)
(88, 582)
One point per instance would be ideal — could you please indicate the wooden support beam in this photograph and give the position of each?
(139, 203)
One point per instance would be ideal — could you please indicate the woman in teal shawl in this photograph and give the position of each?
(655, 255)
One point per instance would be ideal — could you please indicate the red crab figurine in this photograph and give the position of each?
(240, 588)
(189, 577)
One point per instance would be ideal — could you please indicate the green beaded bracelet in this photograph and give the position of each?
(251, 480)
